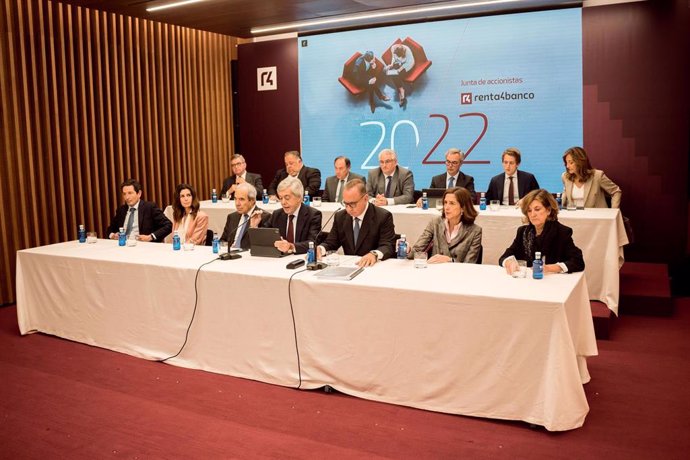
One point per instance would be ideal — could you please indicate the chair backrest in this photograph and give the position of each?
(480, 255)
(209, 237)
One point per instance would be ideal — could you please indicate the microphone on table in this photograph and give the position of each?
(321, 265)
(232, 256)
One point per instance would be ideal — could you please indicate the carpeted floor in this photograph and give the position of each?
(61, 399)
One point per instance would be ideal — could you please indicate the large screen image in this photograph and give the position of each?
(478, 84)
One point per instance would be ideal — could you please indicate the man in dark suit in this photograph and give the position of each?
(247, 215)
(390, 184)
(364, 74)
(335, 185)
(298, 224)
(453, 177)
(240, 175)
(512, 184)
(138, 216)
(361, 228)
(310, 177)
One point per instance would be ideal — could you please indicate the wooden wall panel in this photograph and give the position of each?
(92, 98)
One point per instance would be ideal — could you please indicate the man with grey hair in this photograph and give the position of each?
(247, 215)
(390, 183)
(453, 177)
(335, 185)
(239, 176)
(298, 224)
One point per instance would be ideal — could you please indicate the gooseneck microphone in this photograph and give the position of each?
(321, 265)
(228, 255)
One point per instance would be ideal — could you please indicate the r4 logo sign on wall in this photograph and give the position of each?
(266, 79)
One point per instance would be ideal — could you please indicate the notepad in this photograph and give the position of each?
(339, 273)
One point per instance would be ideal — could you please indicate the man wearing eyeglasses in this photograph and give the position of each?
(239, 176)
(361, 229)
(453, 177)
(390, 183)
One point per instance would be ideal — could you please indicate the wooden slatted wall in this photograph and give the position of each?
(89, 99)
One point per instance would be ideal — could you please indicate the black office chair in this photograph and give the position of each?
(209, 237)
(480, 255)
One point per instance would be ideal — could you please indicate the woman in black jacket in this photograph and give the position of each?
(543, 234)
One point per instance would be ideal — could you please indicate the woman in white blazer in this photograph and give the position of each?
(584, 186)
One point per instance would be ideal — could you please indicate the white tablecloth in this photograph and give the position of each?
(457, 338)
(599, 233)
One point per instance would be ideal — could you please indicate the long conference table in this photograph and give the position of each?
(599, 233)
(455, 338)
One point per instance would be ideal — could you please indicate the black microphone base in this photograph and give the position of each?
(316, 266)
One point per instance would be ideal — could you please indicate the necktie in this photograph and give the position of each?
(388, 186)
(355, 230)
(341, 186)
(451, 182)
(291, 229)
(240, 231)
(511, 192)
(130, 222)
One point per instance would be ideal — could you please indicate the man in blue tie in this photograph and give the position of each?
(137, 216)
(361, 229)
(453, 177)
(247, 214)
(390, 183)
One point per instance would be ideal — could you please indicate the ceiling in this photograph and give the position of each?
(237, 17)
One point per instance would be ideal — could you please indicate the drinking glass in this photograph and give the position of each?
(521, 272)
(133, 238)
(91, 237)
(495, 205)
(316, 201)
(420, 259)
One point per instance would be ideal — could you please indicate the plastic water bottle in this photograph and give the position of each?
(311, 253)
(402, 247)
(425, 201)
(216, 243)
(264, 197)
(482, 202)
(82, 233)
(176, 241)
(559, 200)
(214, 196)
(121, 237)
(307, 199)
(537, 267)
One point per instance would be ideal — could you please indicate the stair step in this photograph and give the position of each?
(645, 289)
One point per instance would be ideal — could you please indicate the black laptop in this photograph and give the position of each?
(433, 194)
(261, 242)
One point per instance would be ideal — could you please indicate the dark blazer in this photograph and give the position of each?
(361, 74)
(310, 177)
(402, 187)
(307, 229)
(377, 231)
(555, 244)
(251, 178)
(151, 220)
(233, 221)
(331, 187)
(526, 183)
(464, 180)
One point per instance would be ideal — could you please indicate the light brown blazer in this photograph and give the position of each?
(597, 188)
